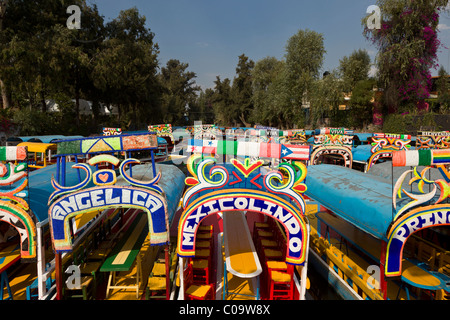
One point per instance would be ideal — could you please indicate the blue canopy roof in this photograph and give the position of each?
(40, 187)
(362, 153)
(172, 182)
(361, 199)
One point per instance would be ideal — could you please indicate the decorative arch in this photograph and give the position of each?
(382, 154)
(244, 186)
(13, 207)
(405, 226)
(342, 151)
(244, 200)
(25, 226)
(69, 202)
(102, 198)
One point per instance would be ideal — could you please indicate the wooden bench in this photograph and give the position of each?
(125, 253)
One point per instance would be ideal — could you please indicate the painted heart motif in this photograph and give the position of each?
(103, 177)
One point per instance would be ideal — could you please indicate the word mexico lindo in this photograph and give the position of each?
(266, 206)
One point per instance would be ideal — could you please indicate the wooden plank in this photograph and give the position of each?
(128, 247)
(240, 252)
(9, 256)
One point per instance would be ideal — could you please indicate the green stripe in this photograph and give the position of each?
(3, 153)
(425, 157)
(227, 147)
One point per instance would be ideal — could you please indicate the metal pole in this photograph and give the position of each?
(58, 276)
(167, 272)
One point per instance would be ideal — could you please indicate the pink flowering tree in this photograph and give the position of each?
(407, 43)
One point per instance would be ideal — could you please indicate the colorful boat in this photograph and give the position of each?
(58, 199)
(358, 238)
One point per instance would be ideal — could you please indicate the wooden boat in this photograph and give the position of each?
(76, 239)
(242, 233)
(379, 148)
(13, 141)
(358, 239)
(40, 154)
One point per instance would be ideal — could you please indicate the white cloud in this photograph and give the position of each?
(443, 26)
(202, 44)
(373, 71)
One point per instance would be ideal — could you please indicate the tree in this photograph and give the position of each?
(304, 58)
(267, 78)
(325, 97)
(125, 69)
(179, 91)
(222, 100)
(407, 45)
(443, 88)
(242, 89)
(354, 68)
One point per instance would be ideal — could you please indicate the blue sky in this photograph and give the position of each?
(209, 35)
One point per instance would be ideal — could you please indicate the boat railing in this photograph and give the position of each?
(349, 271)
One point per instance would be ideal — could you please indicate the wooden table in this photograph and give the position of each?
(241, 258)
(8, 257)
(125, 253)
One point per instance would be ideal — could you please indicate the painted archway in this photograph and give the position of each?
(102, 198)
(245, 187)
(25, 226)
(14, 210)
(244, 200)
(382, 154)
(405, 226)
(385, 144)
(68, 202)
(344, 152)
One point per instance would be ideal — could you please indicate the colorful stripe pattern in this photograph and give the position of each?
(250, 149)
(13, 153)
(102, 144)
(425, 157)
(112, 131)
(162, 130)
(332, 131)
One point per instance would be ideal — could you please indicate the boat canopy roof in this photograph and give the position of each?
(42, 139)
(38, 146)
(362, 152)
(362, 199)
(172, 182)
(40, 187)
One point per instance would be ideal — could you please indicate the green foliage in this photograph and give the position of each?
(408, 44)
(179, 91)
(354, 68)
(443, 91)
(304, 58)
(325, 98)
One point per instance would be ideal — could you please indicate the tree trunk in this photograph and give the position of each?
(5, 91)
(5, 95)
(243, 120)
(44, 105)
